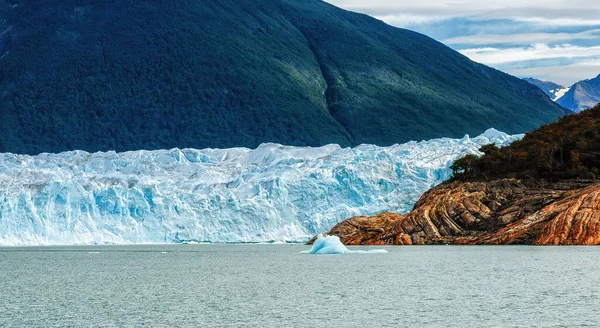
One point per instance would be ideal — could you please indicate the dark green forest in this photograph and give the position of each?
(147, 74)
(569, 148)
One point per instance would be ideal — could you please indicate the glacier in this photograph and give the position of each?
(273, 193)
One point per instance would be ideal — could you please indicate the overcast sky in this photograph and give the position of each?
(556, 40)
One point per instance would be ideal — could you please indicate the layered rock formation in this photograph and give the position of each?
(504, 211)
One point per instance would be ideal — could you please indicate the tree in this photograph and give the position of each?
(464, 165)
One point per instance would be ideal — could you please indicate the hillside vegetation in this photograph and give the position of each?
(569, 148)
(147, 74)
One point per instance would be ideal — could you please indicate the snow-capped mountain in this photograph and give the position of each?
(582, 95)
(269, 194)
(553, 90)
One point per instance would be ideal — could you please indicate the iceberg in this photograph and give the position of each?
(333, 245)
(270, 194)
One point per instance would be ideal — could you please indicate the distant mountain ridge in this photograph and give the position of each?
(130, 74)
(553, 90)
(580, 96)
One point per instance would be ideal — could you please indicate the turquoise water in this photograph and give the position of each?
(275, 286)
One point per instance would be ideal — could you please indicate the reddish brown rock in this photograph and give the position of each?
(506, 211)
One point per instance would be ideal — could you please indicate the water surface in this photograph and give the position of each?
(275, 286)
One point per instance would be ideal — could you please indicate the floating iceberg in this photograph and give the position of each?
(273, 193)
(333, 245)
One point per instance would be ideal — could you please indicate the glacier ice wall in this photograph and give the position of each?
(273, 193)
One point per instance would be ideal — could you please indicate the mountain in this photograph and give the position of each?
(553, 90)
(130, 74)
(582, 95)
(540, 190)
(272, 193)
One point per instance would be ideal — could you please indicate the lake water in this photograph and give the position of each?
(275, 286)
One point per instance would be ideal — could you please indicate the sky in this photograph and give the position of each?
(552, 40)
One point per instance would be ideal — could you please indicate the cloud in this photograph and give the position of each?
(491, 56)
(563, 74)
(541, 12)
(523, 38)
(558, 40)
(467, 7)
(562, 21)
(563, 64)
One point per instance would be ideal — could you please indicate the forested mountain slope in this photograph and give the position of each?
(131, 74)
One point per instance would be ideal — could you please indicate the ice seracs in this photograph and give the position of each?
(332, 245)
(273, 193)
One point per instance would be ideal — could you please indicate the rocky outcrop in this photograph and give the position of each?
(505, 211)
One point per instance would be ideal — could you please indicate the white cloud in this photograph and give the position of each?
(562, 21)
(540, 12)
(539, 33)
(524, 38)
(466, 7)
(565, 75)
(493, 56)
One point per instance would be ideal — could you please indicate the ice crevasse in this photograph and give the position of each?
(273, 193)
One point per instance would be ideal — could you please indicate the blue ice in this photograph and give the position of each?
(333, 245)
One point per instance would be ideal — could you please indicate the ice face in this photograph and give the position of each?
(333, 245)
(273, 193)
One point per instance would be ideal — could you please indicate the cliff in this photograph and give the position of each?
(502, 211)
